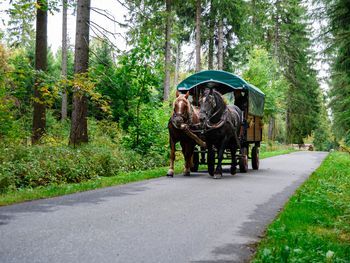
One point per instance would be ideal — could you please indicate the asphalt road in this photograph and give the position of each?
(180, 219)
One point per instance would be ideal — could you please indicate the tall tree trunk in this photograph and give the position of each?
(39, 111)
(288, 126)
(79, 132)
(211, 36)
(271, 129)
(220, 45)
(64, 59)
(177, 64)
(198, 35)
(277, 32)
(167, 51)
(253, 12)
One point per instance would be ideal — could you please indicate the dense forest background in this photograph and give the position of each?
(113, 105)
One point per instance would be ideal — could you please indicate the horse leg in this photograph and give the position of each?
(238, 143)
(233, 150)
(211, 159)
(186, 150)
(172, 158)
(218, 171)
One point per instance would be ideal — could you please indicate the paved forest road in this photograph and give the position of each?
(183, 219)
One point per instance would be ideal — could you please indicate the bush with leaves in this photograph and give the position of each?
(53, 163)
(133, 86)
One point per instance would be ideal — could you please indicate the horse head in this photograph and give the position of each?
(212, 106)
(182, 110)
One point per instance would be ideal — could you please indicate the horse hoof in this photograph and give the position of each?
(187, 174)
(170, 175)
(217, 176)
(233, 171)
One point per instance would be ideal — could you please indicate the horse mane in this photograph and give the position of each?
(218, 95)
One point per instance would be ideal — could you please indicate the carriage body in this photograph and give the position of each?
(237, 91)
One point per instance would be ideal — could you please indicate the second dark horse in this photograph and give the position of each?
(221, 125)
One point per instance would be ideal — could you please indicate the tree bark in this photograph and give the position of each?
(211, 37)
(288, 126)
(39, 110)
(79, 132)
(271, 129)
(220, 45)
(277, 30)
(64, 59)
(177, 64)
(198, 35)
(167, 51)
(253, 12)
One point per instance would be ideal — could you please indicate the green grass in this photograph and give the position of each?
(265, 154)
(27, 194)
(315, 224)
(22, 195)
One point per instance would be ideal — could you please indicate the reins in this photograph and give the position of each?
(185, 126)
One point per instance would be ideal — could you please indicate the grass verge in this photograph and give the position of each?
(22, 195)
(27, 194)
(315, 224)
(263, 155)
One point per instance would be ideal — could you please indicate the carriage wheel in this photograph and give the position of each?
(195, 162)
(243, 161)
(255, 158)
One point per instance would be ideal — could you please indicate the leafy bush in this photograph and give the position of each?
(33, 166)
(53, 162)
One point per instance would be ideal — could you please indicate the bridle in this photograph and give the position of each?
(186, 115)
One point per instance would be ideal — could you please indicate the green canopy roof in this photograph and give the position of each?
(229, 82)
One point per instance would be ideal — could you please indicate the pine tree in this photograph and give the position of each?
(338, 40)
(79, 130)
(21, 19)
(64, 58)
(292, 46)
(39, 109)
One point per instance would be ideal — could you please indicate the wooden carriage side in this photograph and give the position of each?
(254, 129)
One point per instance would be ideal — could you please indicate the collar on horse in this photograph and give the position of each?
(208, 126)
(221, 112)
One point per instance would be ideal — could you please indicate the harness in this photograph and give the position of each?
(186, 117)
(186, 124)
(208, 126)
(225, 118)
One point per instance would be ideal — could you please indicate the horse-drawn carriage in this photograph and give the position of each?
(214, 125)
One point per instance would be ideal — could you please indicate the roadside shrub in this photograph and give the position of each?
(33, 166)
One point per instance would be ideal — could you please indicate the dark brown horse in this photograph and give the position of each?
(221, 124)
(184, 117)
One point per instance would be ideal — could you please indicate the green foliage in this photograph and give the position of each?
(151, 134)
(6, 102)
(323, 139)
(53, 163)
(337, 35)
(20, 26)
(314, 226)
(133, 88)
(263, 72)
(21, 78)
(293, 49)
